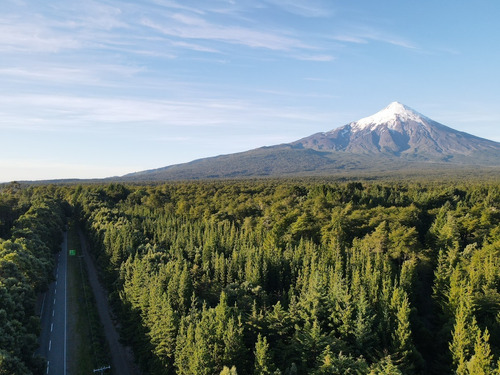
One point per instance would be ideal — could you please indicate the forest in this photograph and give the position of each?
(31, 225)
(271, 276)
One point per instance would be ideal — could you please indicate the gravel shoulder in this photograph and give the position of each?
(122, 357)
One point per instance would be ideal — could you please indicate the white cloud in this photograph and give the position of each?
(194, 47)
(100, 16)
(319, 58)
(19, 36)
(190, 27)
(177, 5)
(100, 114)
(304, 8)
(127, 28)
(365, 35)
(95, 75)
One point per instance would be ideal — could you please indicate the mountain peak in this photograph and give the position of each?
(390, 116)
(396, 138)
(400, 131)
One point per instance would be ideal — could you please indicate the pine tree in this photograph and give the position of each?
(326, 361)
(233, 342)
(203, 361)
(401, 336)
(263, 364)
(464, 332)
(344, 311)
(330, 363)
(440, 288)
(229, 371)
(184, 348)
(163, 329)
(311, 342)
(363, 325)
(480, 362)
(385, 367)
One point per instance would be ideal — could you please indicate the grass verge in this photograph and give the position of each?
(87, 346)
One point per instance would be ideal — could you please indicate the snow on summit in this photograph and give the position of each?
(390, 116)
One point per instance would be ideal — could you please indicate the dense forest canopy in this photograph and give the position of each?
(302, 278)
(31, 224)
(290, 277)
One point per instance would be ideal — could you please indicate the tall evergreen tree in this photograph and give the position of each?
(263, 363)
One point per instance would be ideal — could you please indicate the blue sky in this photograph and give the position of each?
(103, 88)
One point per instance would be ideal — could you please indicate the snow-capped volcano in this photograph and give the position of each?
(400, 131)
(396, 138)
(389, 116)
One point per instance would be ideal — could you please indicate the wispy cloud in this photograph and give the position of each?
(365, 35)
(97, 74)
(304, 8)
(73, 113)
(88, 27)
(190, 27)
(194, 47)
(127, 27)
(91, 15)
(19, 36)
(319, 58)
(177, 5)
(296, 94)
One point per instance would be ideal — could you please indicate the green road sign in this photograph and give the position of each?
(72, 252)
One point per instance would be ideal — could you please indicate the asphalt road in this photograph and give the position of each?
(53, 317)
(122, 362)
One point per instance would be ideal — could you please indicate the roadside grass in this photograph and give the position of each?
(87, 346)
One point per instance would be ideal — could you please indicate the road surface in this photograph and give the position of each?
(122, 361)
(53, 316)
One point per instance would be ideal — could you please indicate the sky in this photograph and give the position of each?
(92, 89)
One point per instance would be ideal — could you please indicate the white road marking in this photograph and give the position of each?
(65, 293)
(43, 304)
(56, 282)
(48, 364)
(50, 345)
(54, 301)
(51, 327)
(55, 291)
(52, 312)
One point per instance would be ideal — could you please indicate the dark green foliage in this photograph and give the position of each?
(33, 224)
(298, 277)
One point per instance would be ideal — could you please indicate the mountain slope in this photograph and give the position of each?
(395, 139)
(400, 131)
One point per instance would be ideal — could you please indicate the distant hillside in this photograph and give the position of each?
(394, 139)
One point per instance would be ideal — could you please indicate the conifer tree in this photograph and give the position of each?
(464, 332)
(480, 362)
(363, 325)
(233, 342)
(330, 363)
(229, 371)
(385, 367)
(401, 336)
(263, 363)
(184, 348)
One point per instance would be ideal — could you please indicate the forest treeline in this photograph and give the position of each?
(31, 224)
(291, 277)
(301, 278)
